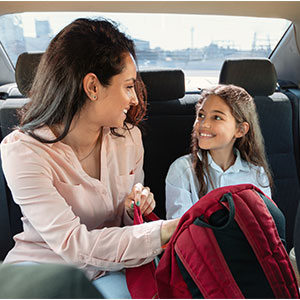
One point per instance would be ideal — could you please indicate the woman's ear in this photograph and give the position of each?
(90, 86)
(242, 130)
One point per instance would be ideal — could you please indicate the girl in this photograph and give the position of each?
(227, 149)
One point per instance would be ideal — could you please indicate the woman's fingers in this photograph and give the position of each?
(151, 206)
(137, 191)
(133, 197)
(147, 201)
(142, 197)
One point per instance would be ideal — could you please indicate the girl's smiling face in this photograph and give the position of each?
(215, 126)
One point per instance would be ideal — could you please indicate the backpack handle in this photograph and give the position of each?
(199, 221)
(141, 280)
(139, 218)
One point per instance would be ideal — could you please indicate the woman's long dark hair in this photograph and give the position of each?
(251, 145)
(57, 93)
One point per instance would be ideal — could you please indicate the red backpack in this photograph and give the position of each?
(225, 246)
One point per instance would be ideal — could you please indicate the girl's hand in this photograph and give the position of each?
(142, 197)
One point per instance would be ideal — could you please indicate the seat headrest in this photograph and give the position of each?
(26, 66)
(160, 84)
(164, 84)
(257, 76)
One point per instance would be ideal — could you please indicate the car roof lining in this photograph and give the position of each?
(272, 9)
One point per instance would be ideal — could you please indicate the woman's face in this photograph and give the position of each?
(114, 100)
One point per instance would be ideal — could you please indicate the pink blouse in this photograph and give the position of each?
(70, 217)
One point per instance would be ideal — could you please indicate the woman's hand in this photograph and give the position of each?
(142, 197)
(167, 229)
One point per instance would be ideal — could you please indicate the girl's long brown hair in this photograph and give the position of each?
(57, 93)
(251, 145)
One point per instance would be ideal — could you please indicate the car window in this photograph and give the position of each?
(197, 44)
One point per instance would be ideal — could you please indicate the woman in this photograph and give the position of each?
(75, 163)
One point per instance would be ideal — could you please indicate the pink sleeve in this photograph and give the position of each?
(29, 177)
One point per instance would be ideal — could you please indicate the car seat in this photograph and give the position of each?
(276, 115)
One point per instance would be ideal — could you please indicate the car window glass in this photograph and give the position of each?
(197, 44)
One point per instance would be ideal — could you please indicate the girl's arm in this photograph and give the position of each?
(179, 182)
(264, 184)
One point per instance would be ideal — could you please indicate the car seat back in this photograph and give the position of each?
(167, 130)
(275, 111)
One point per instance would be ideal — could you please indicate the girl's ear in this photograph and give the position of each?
(242, 130)
(90, 84)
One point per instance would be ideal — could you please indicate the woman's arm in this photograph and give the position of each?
(167, 229)
(30, 179)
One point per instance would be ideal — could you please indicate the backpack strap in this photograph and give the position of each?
(213, 283)
(261, 233)
(141, 280)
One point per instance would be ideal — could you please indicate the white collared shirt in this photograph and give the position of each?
(182, 185)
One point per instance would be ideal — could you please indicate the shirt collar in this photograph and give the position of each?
(45, 133)
(239, 164)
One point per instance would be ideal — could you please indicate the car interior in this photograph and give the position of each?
(273, 81)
